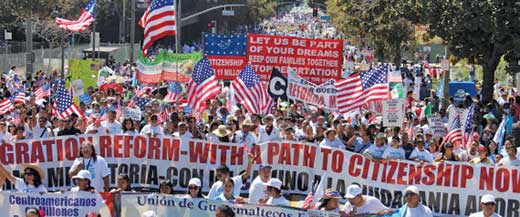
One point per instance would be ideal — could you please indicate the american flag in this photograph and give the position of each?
(174, 92)
(455, 134)
(87, 17)
(42, 92)
(358, 90)
(18, 97)
(139, 102)
(158, 21)
(7, 103)
(163, 114)
(202, 86)
(307, 203)
(65, 106)
(468, 124)
(251, 93)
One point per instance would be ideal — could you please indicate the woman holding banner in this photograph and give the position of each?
(31, 181)
(274, 189)
(83, 181)
(96, 165)
(194, 186)
(330, 201)
(227, 195)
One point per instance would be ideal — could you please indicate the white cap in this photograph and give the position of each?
(195, 181)
(275, 183)
(149, 213)
(83, 174)
(353, 191)
(487, 198)
(412, 189)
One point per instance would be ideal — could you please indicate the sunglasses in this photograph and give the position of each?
(449, 146)
(489, 204)
(193, 187)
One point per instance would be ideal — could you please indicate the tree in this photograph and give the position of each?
(482, 31)
(380, 22)
(258, 10)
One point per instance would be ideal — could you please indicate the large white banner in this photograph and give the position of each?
(136, 205)
(449, 188)
(52, 204)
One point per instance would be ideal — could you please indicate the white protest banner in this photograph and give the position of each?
(134, 114)
(449, 188)
(53, 204)
(393, 113)
(436, 125)
(136, 205)
(323, 96)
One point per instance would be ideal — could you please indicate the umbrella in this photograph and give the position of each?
(114, 86)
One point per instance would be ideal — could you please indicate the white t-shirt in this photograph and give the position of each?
(508, 162)
(277, 201)
(375, 151)
(481, 214)
(113, 128)
(101, 130)
(371, 205)
(155, 131)
(40, 133)
(391, 152)
(217, 188)
(21, 186)
(423, 155)
(334, 143)
(257, 191)
(420, 210)
(98, 169)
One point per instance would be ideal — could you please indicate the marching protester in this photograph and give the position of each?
(224, 211)
(330, 201)
(488, 206)
(274, 189)
(257, 192)
(511, 159)
(482, 156)
(376, 150)
(194, 188)
(362, 204)
(123, 184)
(447, 153)
(413, 206)
(395, 151)
(40, 130)
(223, 173)
(166, 187)
(83, 181)
(31, 181)
(98, 169)
(268, 132)
(331, 140)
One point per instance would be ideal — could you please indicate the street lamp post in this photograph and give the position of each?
(132, 31)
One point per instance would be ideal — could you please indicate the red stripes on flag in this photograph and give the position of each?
(158, 21)
(351, 95)
(455, 136)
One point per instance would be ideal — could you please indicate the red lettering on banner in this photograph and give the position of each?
(401, 173)
(337, 161)
(257, 153)
(272, 150)
(118, 146)
(48, 147)
(515, 178)
(59, 144)
(22, 152)
(285, 154)
(297, 148)
(355, 160)
(237, 155)
(366, 168)
(71, 148)
(7, 157)
(429, 178)
(154, 148)
(37, 154)
(466, 174)
(128, 145)
(326, 153)
(383, 177)
(443, 174)
(213, 154)
(486, 178)
(392, 167)
(502, 179)
(198, 152)
(456, 169)
(375, 170)
(223, 153)
(414, 175)
(309, 154)
(171, 150)
(140, 147)
(105, 146)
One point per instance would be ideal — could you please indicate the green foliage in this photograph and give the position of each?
(258, 10)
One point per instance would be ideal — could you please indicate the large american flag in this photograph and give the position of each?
(42, 92)
(202, 86)
(174, 92)
(360, 89)
(65, 106)
(455, 134)
(87, 17)
(468, 124)
(158, 21)
(251, 93)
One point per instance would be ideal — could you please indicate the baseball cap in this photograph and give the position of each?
(195, 181)
(264, 165)
(83, 174)
(353, 191)
(487, 198)
(275, 183)
(412, 188)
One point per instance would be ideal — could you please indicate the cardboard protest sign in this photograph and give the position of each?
(315, 60)
(436, 125)
(134, 114)
(393, 113)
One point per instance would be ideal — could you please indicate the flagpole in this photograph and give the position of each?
(94, 38)
(178, 30)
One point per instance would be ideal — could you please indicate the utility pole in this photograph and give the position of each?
(132, 31)
(62, 44)
(29, 60)
(446, 81)
(122, 28)
(94, 40)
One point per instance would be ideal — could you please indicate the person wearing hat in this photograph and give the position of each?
(420, 154)
(153, 128)
(330, 201)
(34, 212)
(222, 133)
(394, 152)
(223, 173)
(363, 204)
(482, 156)
(375, 151)
(413, 206)
(360, 142)
(245, 135)
(257, 191)
(274, 189)
(194, 188)
(488, 205)
(83, 181)
(95, 164)
(330, 139)
(31, 181)
(183, 132)
(268, 132)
